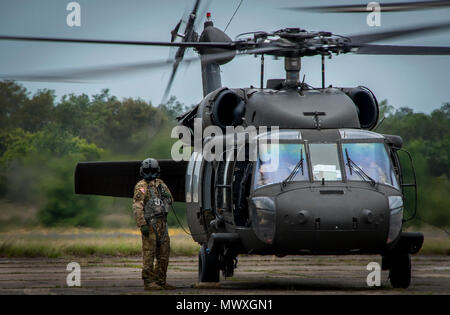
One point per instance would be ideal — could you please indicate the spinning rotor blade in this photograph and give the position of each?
(174, 32)
(78, 75)
(404, 32)
(385, 7)
(169, 84)
(188, 36)
(401, 50)
(224, 45)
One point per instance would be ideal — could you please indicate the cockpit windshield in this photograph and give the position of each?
(372, 159)
(286, 162)
(277, 161)
(325, 161)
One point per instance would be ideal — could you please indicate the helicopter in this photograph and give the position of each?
(338, 186)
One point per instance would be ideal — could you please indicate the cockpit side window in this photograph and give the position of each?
(373, 159)
(277, 161)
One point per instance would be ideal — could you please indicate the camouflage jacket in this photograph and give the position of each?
(142, 195)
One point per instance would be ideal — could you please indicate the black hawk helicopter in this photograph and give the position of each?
(338, 187)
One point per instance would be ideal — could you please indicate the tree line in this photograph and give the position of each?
(42, 139)
(427, 138)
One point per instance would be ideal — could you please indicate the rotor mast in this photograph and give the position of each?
(292, 65)
(211, 78)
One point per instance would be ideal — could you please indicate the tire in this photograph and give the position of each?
(400, 271)
(208, 266)
(386, 262)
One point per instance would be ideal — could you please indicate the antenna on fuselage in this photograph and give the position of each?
(262, 71)
(323, 71)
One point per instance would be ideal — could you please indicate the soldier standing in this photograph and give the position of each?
(150, 207)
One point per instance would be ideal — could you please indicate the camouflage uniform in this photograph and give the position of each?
(157, 243)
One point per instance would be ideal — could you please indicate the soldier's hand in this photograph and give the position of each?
(166, 196)
(145, 230)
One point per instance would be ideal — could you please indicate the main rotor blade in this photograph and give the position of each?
(404, 32)
(80, 75)
(169, 83)
(401, 50)
(189, 30)
(196, 6)
(188, 36)
(224, 45)
(385, 7)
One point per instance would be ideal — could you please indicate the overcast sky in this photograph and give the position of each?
(420, 82)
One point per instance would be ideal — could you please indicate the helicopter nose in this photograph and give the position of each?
(331, 220)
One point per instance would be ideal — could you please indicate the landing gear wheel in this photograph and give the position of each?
(208, 266)
(400, 270)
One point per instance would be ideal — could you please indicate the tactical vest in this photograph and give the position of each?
(155, 206)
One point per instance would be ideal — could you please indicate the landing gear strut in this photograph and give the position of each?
(228, 264)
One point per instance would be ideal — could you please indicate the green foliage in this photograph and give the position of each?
(180, 213)
(16, 144)
(19, 144)
(84, 242)
(49, 156)
(18, 110)
(42, 139)
(427, 138)
(63, 207)
(12, 98)
(174, 108)
(120, 126)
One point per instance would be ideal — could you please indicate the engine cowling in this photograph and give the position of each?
(222, 107)
(227, 109)
(366, 105)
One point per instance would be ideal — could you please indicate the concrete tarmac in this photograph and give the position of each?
(254, 275)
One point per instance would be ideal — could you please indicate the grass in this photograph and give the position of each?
(57, 243)
(436, 242)
(436, 246)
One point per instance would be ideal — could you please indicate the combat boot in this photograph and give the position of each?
(153, 287)
(167, 286)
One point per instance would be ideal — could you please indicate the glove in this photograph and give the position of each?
(145, 230)
(166, 196)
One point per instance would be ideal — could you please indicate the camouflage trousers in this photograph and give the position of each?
(156, 246)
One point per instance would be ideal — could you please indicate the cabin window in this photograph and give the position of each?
(196, 178)
(189, 177)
